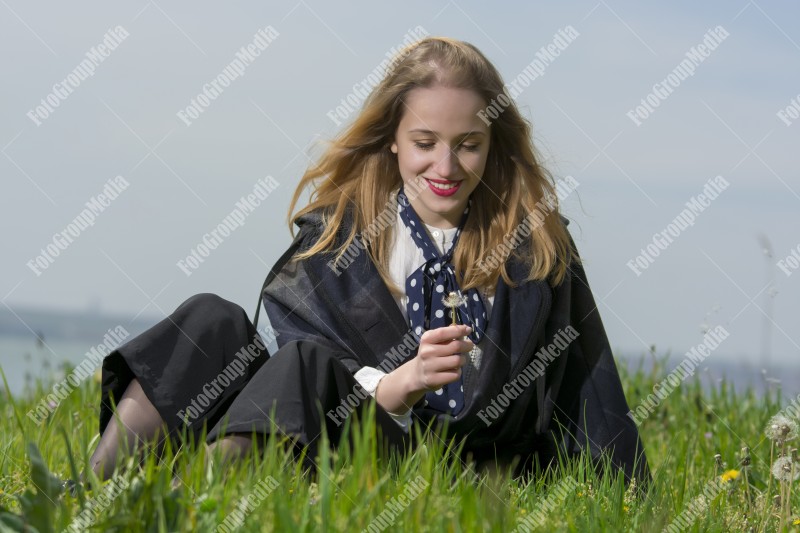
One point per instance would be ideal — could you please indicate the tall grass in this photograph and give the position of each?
(357, 488)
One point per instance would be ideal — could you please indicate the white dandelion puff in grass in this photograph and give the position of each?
(781, 428)
(784, 469)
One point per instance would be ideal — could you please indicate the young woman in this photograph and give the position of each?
(424, 213)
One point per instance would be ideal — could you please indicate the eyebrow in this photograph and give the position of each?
(467, 134)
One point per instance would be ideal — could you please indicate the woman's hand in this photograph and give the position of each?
(442, 352)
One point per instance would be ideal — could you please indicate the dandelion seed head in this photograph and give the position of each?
(781, 428)
(782, 469)
(451, 300)
(454, 300)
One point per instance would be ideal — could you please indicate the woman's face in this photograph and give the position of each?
(442, 139)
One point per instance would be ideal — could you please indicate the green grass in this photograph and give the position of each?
(352, 487)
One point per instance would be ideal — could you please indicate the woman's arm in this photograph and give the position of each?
(441, 354)
(369, 378)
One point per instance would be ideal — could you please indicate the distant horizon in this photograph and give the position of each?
(142, 322)
(739, 371)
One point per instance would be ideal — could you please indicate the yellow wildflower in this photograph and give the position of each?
(729, 475)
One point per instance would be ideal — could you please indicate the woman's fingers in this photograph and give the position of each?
(452, 347)
(438, 371)
(444, 364)
(444, 334)
(442, 354)
(446, 341)
(436, 380)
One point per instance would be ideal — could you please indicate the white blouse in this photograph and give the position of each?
(406, 258)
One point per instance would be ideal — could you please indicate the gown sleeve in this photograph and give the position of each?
(295, 314)
(295, 311)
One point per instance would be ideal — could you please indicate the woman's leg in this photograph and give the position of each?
(231, 447)
(140, 423)
(173, 361)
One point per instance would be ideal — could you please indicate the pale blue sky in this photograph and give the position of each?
(185, 180)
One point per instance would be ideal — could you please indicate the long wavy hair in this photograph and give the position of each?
(358, 172)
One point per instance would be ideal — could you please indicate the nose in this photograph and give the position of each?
(447, 163)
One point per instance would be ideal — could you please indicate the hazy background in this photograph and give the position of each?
(185, 179)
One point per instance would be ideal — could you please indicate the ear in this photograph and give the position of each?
(393, 147)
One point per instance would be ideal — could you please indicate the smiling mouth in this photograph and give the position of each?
(443, 185)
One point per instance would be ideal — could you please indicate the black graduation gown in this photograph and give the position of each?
(328, 325)
(577, 403)
(196, 369)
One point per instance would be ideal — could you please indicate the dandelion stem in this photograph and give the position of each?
(769, 488)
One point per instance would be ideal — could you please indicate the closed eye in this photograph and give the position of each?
(429, 146)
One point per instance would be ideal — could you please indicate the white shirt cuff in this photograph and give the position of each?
(369, 377)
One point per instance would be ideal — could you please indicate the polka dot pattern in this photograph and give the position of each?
(425, 289)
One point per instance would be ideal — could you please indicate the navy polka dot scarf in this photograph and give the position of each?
(427, 286)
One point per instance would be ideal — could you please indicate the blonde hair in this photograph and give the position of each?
(359, 171)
